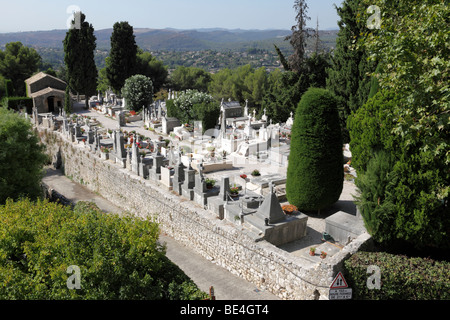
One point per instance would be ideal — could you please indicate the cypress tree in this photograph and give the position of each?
(68, 102)
(123, 55)
(79, 48)
(348, 77)
(315, 171)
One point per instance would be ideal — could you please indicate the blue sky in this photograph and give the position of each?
(32, 15)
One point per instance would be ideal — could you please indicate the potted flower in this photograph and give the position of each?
(104, 153)
(312, 251)
(323, 255)
(256, 173)
(234, 191)
(210, 183)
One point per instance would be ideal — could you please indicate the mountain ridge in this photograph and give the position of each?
(165, 39)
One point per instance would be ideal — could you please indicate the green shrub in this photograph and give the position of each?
(315, 172)
(9, 88)
(402, 278)
(16, 103)
(407, 193)
(22, 157)
(118, 257)
(138, 92)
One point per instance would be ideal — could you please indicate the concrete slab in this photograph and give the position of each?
(342, 226)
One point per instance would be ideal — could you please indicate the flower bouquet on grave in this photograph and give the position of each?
(104, 150)
(243, 176)
(234, 191)
(289, 208)
(210, 183)
(256, 173)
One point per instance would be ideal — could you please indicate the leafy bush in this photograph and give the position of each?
(138, 92)
(402, 278)
(408, 118)
(193, 105)
(315, 172)
(21, 157)
(404, 189)
(118, 257)
(16, 103)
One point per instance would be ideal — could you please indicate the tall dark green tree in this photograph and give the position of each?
(79, 49)
(18, 63)
(315, 173)
(348, 76)
(123, 55)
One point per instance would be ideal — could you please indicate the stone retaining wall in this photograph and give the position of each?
(222, 242)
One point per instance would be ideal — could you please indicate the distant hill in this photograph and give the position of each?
(170, 39)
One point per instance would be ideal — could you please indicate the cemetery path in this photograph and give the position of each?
(203, 272)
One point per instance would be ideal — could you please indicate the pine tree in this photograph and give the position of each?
(79, 49)
(348, 77)
(315, 173)
(299, 36)
(123, 55)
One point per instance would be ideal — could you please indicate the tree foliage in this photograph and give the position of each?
(79, 49)
(408, 119)
(315, 171)
(241, 84)
(348, 76)
(18, 63)
(138, 92)
(149, 66)
(123, 55)
(21, 157)
(120, 258)
(184, 78)
(298, 37)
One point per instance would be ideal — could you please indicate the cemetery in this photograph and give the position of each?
(221, 192)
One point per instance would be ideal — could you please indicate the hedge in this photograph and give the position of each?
(15, 102)
(402, 277)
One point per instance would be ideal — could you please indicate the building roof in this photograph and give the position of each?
(47, 91)
(41, 75)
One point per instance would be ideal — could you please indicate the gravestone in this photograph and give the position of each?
(178, 177)
(135, 157)
(121, 119)
(189, 183)
(155, 172)
(166, 177)
(216, 203)
(143, 167)
(120, 148)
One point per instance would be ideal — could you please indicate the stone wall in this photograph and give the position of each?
(222, 242)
